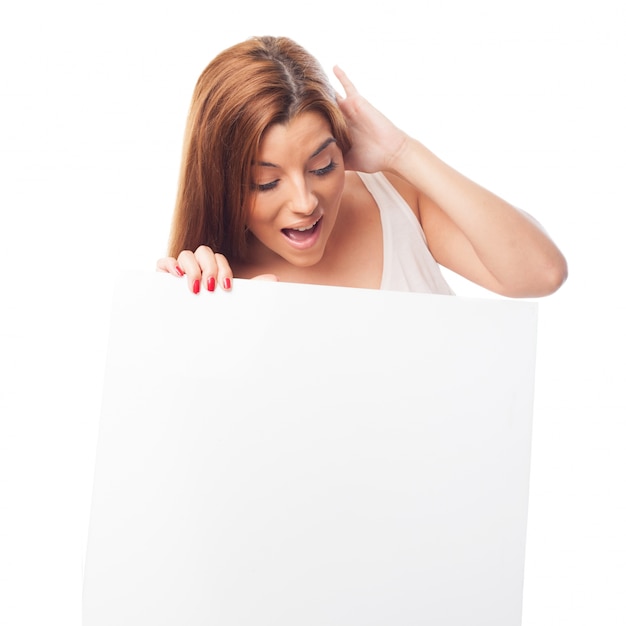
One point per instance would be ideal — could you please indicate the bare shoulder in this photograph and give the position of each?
(406, 190)
(356, 189)
(357, 203)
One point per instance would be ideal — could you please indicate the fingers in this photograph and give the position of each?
(204, 269)
(346, 83)
(224, 276)
(169, 264)
(269, 277)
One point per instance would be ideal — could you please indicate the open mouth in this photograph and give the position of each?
(303, 236)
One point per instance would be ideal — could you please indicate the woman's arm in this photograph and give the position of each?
(477, 234)
(468, 229)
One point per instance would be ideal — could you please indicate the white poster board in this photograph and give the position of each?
(290, 455)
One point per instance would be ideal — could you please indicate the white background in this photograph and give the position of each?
(526, 98)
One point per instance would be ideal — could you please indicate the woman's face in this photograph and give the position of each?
(298, 179)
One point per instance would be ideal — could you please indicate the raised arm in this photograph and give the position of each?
(469, 230)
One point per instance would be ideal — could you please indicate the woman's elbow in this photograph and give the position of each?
(554, 275)
(548, 278)
(535, 280)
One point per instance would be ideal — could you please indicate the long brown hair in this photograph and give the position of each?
(245, 89)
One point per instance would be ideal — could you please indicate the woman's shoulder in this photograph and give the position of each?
(356, 187)
(355, 194)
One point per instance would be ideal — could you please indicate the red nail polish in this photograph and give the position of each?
(211, 284)
(179, 271)
(227, 283)
(196, 286)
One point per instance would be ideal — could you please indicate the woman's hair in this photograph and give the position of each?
(244, 90)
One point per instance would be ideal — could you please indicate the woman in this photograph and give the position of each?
(282, 178)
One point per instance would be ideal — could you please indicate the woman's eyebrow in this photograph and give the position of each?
(322, 147)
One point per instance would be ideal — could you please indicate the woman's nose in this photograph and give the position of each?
(302, 199)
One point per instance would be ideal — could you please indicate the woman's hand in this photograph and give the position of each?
(204, 269)
(469, 229)
(376, 142)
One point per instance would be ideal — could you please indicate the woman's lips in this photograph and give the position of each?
(303, 237)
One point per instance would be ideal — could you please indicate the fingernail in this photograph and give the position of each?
(211, 284)
(179, 271)
(227, 283)
(196, 286)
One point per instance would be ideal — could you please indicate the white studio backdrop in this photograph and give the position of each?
(526, 99)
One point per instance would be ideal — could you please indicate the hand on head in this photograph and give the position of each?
(376, 141)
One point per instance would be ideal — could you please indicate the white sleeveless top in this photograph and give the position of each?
(408, 264)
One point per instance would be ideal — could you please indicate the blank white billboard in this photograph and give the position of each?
(290, 454)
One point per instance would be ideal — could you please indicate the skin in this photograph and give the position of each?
(303, 183)
(301, 176)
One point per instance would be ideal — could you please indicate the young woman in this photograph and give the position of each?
(284, 179)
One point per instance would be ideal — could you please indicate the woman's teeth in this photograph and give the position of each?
(305, 228)
(303, 233)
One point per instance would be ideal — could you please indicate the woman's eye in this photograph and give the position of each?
(274, 183)
(265, 186)
(325, 170)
